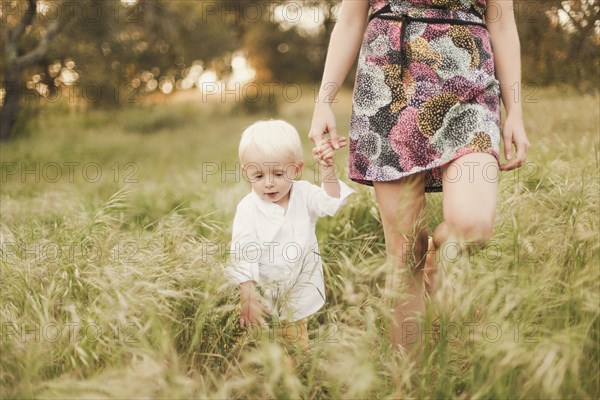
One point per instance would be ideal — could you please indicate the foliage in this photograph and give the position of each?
(560, 42)
(119, 50)
(112, 46)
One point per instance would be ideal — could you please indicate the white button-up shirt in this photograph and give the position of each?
(279, 250)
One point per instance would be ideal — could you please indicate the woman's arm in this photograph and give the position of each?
(507, 59)
(343, 47)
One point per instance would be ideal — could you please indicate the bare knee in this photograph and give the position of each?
(474, 229)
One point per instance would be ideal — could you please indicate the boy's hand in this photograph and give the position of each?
(325, 153)
(252, 312)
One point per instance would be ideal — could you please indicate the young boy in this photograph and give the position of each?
(275, 255)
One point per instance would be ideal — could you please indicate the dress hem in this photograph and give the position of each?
(428, 189)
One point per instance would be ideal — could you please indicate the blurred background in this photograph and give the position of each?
(120, 53)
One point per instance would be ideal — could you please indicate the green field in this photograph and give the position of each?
(113, 234)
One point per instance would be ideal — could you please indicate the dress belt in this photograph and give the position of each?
(386, 12)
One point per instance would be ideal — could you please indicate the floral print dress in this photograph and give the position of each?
(425, 91)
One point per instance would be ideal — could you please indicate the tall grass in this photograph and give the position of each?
(114, 288)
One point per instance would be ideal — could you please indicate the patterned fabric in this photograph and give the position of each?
(425, 94)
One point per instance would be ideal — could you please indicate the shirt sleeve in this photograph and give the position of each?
(321, 204)
(244, 249)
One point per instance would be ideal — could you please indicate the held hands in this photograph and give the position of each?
(514, 133)
(324, 154)
(323, 123)
(252, 313)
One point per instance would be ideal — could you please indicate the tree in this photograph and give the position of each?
(585, 39)
(114, 49)
(281, 49)
(17, 59)
(559, 41)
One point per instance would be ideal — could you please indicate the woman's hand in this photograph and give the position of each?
(252, 313)
(514, 133)
(323, 122)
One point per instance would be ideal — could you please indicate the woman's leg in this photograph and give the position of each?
(430, 270)
(470, 186)
(401, 204)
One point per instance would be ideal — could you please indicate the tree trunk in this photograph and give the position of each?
(12, 102)
(16, 62)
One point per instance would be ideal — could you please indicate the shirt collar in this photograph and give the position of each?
(269, 206)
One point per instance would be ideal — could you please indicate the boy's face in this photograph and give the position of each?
(270, 178)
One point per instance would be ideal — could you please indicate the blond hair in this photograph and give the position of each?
(275, 138)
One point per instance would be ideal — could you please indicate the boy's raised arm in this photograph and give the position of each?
(333, 192)
(330, 182)
(325, 157)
